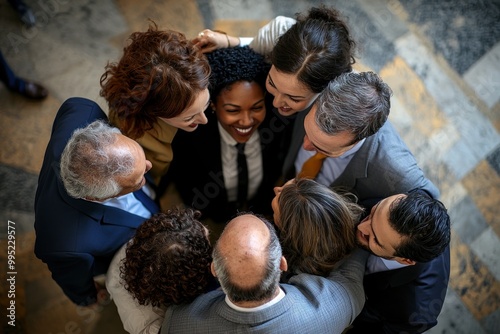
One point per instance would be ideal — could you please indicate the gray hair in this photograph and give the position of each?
(90, 165)
(267, 286)
(355, 102)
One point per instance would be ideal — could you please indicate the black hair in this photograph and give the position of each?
(230, 65)
(423, 222)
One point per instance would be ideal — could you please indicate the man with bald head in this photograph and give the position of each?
(248, 261)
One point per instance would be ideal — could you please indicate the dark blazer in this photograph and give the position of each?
(382, 167)
(405, 300)
(75, 238)
(196, 169)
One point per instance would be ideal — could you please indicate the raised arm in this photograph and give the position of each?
(210, 40)
(350, 275)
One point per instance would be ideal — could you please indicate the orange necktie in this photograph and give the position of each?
(312, 166)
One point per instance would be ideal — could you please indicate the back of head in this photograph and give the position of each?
(91, 162)
(159, 75)
(246, 259)
(168, 261)
(230, 65)
(423, 222)
(317, 48)
(317, 226)
(355, 102)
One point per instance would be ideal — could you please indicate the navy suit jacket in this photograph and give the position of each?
(75, 238)
(382, 167)
(405, 300)
(197, 173)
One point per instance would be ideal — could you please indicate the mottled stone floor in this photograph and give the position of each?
(442, 59)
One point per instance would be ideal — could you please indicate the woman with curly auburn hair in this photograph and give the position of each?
(166, 263)
(158, 86)
(317, 225)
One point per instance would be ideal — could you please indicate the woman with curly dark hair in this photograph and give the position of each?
(208, 169)
(167, 262)
(158, 86)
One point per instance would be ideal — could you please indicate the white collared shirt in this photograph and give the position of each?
(229, 156)
(270, 303)
(376, 264)
(332, 167)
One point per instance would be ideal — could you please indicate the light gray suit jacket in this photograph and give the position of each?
(312, 304)
(382, 167)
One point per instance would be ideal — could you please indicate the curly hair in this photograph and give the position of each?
(317, 48)
(317, 226)
(168, 260)
(230, 65)
(159, 75)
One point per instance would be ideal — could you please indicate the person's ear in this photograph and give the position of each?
(283, 264)
(212, 106)
(405, 261)
(212, 269)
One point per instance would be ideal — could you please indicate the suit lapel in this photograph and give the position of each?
(214, 155)
(296, 142)
(357, 167)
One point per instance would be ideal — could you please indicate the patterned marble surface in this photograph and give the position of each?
(442, 60)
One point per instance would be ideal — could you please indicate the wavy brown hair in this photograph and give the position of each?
(168, 260)
(317, 226)
(159, 75)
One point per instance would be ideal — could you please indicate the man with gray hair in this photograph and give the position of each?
(247, 260)
(346, 141)
(91, 196)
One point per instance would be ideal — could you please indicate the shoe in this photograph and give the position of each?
(28, 18)
(33, 90)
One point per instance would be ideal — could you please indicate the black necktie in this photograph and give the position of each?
(146, 201)
(242, 175)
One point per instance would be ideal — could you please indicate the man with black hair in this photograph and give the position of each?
(407, 274)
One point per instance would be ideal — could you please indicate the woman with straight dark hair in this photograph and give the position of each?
(306, 54)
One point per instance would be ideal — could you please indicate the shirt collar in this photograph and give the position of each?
(352, 150)
(270, 303)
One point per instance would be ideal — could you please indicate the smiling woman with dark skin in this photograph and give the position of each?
(205, 169)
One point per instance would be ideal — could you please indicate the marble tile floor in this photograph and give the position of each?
(442, 60)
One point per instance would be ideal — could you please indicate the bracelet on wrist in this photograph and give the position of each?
(227, 37)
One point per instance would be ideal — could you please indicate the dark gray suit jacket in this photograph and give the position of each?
(312, 304)
(382, 167)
